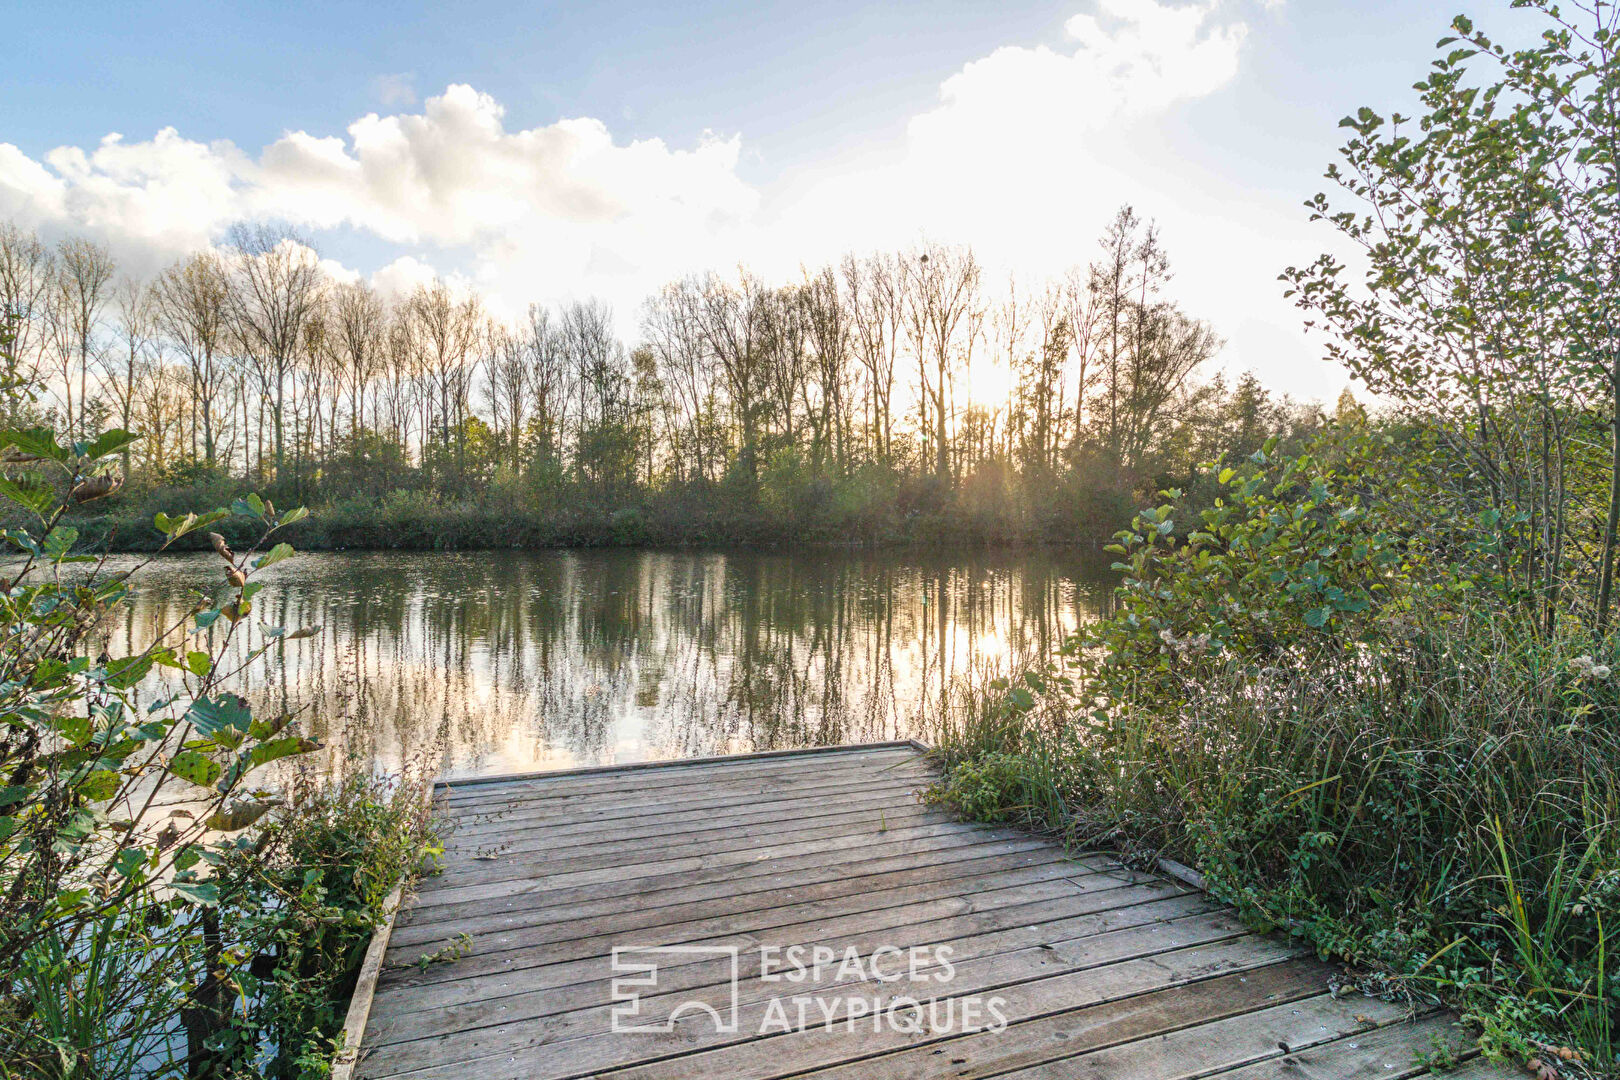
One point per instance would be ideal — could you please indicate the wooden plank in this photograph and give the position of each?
(740, 792)
(874, 819)
(943, 853)
(1208, 1048)
(1390, 1053)
(630, 807)
(717, 899)
(1031, 951)
(816, 866)
(1082, 941)
(1112, 1005)
(358, 1014)
(681, 921)
(1101, 971)
(589, 981)
(436, 893)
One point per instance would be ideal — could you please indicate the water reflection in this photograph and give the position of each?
(534, 660)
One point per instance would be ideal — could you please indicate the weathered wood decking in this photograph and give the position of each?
(1102, 972)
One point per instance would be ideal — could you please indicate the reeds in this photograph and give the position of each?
(1443, 810)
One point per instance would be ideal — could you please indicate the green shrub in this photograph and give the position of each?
(148, 869)
(1357, 732)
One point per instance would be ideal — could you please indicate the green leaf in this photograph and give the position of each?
(178, 527)
(29, 489)
(129, 861)
(273, 556)
(205, 893)
(59, 542)
(100, 785)
(211, 715)
(40, 442)
(199, 663)
(238, 816)
(248, 506)
(276, 749)
(126, 671)
(293, 516)
(108, 443)
(75, 729)
(1316, 618)
(197, 768)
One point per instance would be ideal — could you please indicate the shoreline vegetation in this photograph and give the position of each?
(1369, 689)
(411, 521)
(181, 892)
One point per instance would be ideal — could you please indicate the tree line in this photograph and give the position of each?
(252, 362)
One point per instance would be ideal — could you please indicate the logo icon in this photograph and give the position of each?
(636, 972)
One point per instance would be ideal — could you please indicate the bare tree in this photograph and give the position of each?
(734, 324)
(826, 321)
(27, 274)
(672, 327)
(444, 335)
(944, 315)
(876, 303)
(124, 368)
(193, 306)
(78, 303)
(357, 337)
(276, 285)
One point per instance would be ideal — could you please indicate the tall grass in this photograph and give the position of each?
(1444, 811)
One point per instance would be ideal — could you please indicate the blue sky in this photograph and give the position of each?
(769, 132)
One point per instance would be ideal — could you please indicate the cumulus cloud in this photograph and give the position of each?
(1030, 148)
(1130, 59)
(453, 174)
(560, 203)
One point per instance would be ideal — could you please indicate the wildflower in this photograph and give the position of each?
(1585, 666)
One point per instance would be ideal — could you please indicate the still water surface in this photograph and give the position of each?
(518, 661)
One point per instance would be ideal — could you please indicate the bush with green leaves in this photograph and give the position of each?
(1352, 727)
(149, 869)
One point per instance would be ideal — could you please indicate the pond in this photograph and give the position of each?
(507, 661)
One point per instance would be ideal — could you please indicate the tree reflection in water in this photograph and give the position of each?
(537, 660)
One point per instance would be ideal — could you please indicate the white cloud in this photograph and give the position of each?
(401, 277)
(1133, 58)
(558, 206)
(1031, 148)
(1026, 153)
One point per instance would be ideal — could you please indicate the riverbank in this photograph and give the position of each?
(1354, 730)
(424, 521)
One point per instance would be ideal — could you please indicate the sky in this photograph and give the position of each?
(555, 151)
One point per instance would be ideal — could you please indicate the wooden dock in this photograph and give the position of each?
(1099, 971)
